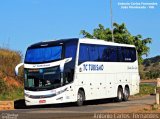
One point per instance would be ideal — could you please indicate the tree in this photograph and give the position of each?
(153, 74)
(121, 35)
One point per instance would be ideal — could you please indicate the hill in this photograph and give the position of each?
(152, 60)
(151, 67)
(10, 85)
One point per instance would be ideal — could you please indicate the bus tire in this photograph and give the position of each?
(126, 93)
(80, 98)
(119, 97)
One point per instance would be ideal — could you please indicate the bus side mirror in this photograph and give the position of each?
(17, 68)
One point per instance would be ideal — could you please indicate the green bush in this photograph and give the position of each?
(153, 74)
(146, 89)
(3, 86)
(16, 93)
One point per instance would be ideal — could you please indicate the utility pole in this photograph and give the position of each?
(111, 20)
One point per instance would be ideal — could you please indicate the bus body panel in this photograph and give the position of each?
(98, 79)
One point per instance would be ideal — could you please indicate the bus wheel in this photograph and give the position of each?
(126, 94)
(80, 98)
(119, 94)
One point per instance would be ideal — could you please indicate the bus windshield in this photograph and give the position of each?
(45, 54)
(42, 79)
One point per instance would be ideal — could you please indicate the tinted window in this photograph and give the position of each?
(93, 52)
(120, 55)
(101, 50)
(133, 54)
(45, 54)
(88, 53)
(128, 54)
(83, 53)
(112, 52)
(106, 53)
(70, 50)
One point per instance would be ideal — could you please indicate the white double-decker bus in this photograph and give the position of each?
(77, 70)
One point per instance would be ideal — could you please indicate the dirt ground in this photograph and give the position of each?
(148, 81)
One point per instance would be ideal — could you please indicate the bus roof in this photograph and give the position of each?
(81, 40)
(102, 42)
(52, 42)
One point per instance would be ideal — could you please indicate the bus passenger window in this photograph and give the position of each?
(105, 55)
(119, 54)
(101, 50)
(83, 53)
(93, 53)
(113, 54)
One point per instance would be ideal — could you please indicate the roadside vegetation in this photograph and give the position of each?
(12, 94)
(146, 89)
(151, 68)
(11, 87)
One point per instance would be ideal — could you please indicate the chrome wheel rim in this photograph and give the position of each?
(120, 95)
(126, 93)
(79, 97)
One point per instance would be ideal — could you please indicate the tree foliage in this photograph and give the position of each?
(121, 35)
(153, 74)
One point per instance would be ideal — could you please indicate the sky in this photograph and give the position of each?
(24, 22)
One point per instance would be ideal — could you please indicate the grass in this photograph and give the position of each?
(10, 86)
(146, 89)
(16, 93)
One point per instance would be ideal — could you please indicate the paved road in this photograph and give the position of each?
(71, 112)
